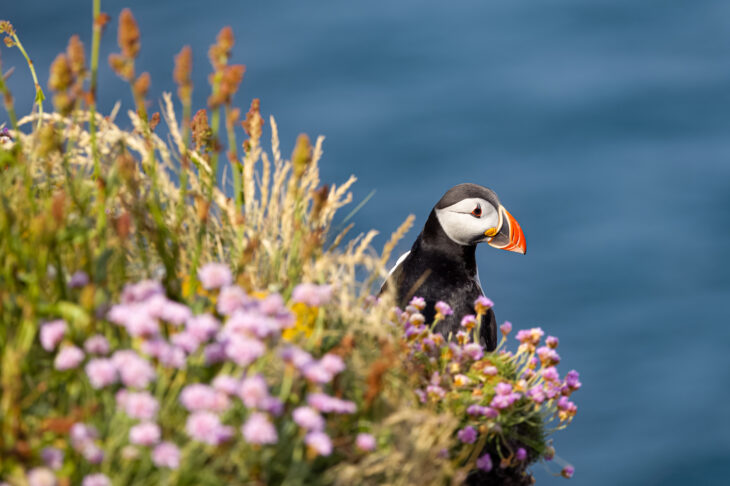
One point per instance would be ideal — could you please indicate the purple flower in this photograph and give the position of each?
(481, 410)
(325, 403)
(203, 327)
(41, 476)
(567, 472)
(92, 453)
(503, 388)
(215, 275)
(52, 333)
(552, 341)
(490, 370)
(482, 303)
(418, 302)
(97, 479)
(332, 363)
(365, 442)
(251, 323)
(146, 433)
(312, 295)
(52, 457)
(258, 430)
(550, 374)
(485, 463)
(474, 351)
(139, 405)
(253, 391)
(272, 304)
(548, 356)
(69, 357)
(141, 291)
(231, 299)
(244, 351)
(468, 322)
(296, 357)
(78, 279)
(135, 371)
(308, 418)
(197, 397)
(226, 384)
(101, 372)
(435, 391)
(166, 454)
(96, 344)
(214, 353)
(186, 341)
(81, 433)
(506, 327)
(443, 308)
(467, 435)
(317, 373)
(136, 319)
(537, 394)
(319, 442)
(160, 307)
(521, 454)
(204, 427)
(572, 380)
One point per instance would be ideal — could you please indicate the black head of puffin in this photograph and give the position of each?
(470, 214)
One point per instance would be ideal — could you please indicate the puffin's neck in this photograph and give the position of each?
(433, 239)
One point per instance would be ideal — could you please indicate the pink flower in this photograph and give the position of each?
(186, 341)
(203, 326)
(365, 442)
(567, 472)
(135, 318)
(197, 397)
(474, 351)
(521, 454)
(96, 344)
(215, 275)
(316, 373)
(166, 454)
(140, 405)
(244, 351)
(231, 299)
(272, 304)
(308, 418)
(332, 363)
(296, 357)
(485, 463)
(418, 302)
(572, 380)
(312, 295)
(204, 427)
(258, 430)
(146, 433)
(490, 370)
(251, 323)
(97, 479)
(226, 384)
(160, 307)
(214, 353)
(326, 403)
(467, 435)
(92, 453)
(41, 476)
(69, 357)
(101, 372)
(78, 279)
(141, 291)
(506, 327)
(81, 433)
(319, 442)
(468, 322)
(253, 391)
(550, 374)
(52, 457)
(552, 341)
(482, 303)
(503, 388)
(135, 371)
(52, 333)
(443, 309)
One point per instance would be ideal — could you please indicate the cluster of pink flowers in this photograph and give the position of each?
(460, 374)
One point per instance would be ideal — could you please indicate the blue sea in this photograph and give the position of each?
(603, 126)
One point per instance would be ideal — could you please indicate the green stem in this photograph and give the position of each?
(39, 96)
(95, 41)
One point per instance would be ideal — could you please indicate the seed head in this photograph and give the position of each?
(75, 53)
(128, 36)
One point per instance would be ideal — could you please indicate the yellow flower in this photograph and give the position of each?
(305, 318)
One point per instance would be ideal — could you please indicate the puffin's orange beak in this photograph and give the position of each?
(510, 237)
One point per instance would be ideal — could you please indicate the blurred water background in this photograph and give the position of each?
(604, 127)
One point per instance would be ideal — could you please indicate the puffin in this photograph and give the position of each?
(441, 264)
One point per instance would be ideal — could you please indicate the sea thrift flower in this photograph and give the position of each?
(166, 454)
(253, 391)
(461, 380)
(552, 341)
(146, 433)
(258, 430)
(506, 327)
(474, 351)
(537, 394)
(467, 435)
(462, 337)
(214, 353)
(41, 476)
(215, 275)
(186, 341)
(332, 363)
(567, 472)
(203, 327)
(244, 351)
(308, 418)
(316, 373)
(92, 453)
(52, 457)
(135, 371)
(326, 403)
(435, 392)
(197, 397)
(550, 374)
(204, 427)
(418, 302)
(272, 304)
(97, 479)
(231, 299)
(442, 309)
(417, 319)
(312, 295)
(468, 322)
(69, 357)
(139, 405)
(101, 372)
(319, 442)
(52, 333)
(81, 433)
(490, 370)
(485, 463)
(78, 279)
(96, 344)
(521, 454)
(365, 442)
(226, 384)
(572, 381)
(160, 307)
(141, 291)
(482, 304)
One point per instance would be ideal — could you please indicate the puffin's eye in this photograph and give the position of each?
(477, 212)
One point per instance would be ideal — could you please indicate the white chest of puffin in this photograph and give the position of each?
(441, 265)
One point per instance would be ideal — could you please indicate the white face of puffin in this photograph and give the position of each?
(469, 221)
